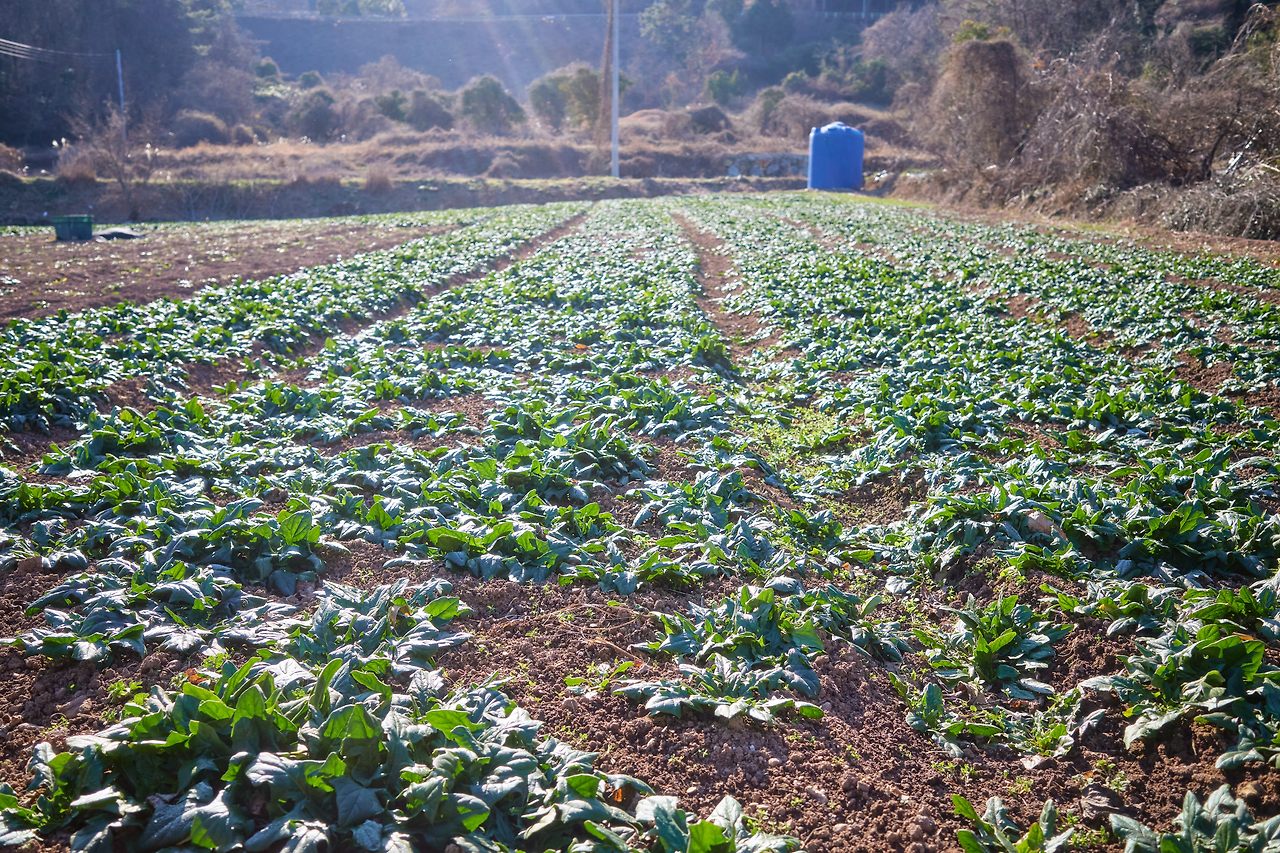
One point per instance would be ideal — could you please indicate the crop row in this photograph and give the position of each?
(56, 369)
(1042, 457)
(1142, 303)
(577, 418)
(159, 521)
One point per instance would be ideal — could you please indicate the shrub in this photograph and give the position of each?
(722, 87)
(392, 104)
(360, 119)
(979, 109)
(1244, 203)
(504, 165)
(219, 89)
(127, 160)
(377, 180)
(764, 27)
(549, 102)
(765, 106)
(850, 76)
(568, 95)
(709, 119)
(427, 110)
(582, 88)
(242, 134)
(796, 81)
(191, 127)
(310, 80)
(1097, 131)
(75, 165)
(267, 69)
(11, 159)
(793, 116)
(489, 107)
(314, 116)
(908, 41)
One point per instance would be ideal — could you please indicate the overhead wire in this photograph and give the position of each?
(32, 53)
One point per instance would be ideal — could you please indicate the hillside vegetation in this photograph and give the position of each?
(1158, 110)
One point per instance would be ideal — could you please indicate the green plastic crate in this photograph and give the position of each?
(73, 227)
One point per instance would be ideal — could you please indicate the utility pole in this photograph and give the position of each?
(613, 100)
(124, 122)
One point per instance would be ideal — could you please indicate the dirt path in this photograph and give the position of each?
(717, 277)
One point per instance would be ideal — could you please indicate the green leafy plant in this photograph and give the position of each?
(1221, 824)
(995, 832)
(723, 690)
(1222, 678)
(996, 646)
(927, 713)
(598, 678)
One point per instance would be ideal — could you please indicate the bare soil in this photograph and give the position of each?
(45, 276)
(742, 332)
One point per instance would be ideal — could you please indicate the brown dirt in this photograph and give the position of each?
(128, 393)
(424, 443)
(474, 407)
(667, 462)
(1035, 433)
(22, 450)
(28, 580)
(1084, 653)
(715, 273)
(1210, 378)
(881, 501)
(178, 261)
(859, 779)
(1021, 307)
(48, 701)
(772, 495)
(1207, 378)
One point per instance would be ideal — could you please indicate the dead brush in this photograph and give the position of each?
(981, 106)
(75, 165)
(1244, 203)
(378, 181)
(11, 159)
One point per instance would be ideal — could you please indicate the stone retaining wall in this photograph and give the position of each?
(768, 165)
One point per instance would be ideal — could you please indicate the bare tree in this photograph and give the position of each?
(122, 151)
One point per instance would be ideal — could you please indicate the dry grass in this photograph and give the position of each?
(378, 180)
(11, 159)
(410, 157)
(75, 166)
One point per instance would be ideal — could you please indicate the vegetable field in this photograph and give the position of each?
(750, 523)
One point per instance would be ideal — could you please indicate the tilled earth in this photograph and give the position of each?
(858, 779)
(40, 276)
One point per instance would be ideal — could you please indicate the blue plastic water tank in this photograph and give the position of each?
(835, 157)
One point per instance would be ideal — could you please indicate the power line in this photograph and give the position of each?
(18, 50)
(31, 53)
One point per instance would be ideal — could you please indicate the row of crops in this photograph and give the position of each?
(635, 436)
